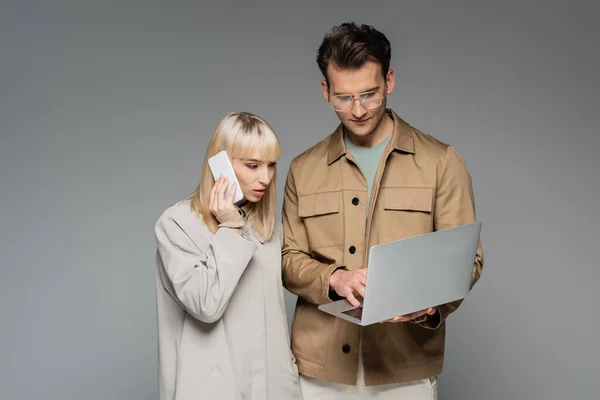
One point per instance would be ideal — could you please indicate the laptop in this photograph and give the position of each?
(414, 274)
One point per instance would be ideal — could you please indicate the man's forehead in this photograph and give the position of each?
(354, 80)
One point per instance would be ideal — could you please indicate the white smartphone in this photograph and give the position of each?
(220, 164)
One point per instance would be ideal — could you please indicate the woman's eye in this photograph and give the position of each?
(252, 166)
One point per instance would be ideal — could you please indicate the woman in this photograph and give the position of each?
(222, 325)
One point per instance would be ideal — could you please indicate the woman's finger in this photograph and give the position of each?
(212, 196)
(231, 194)
(221, 196)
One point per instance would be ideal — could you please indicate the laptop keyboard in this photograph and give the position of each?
(355, 312)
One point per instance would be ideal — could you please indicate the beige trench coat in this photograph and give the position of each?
(222, 326)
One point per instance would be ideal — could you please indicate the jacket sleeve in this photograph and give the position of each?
(454, 206)
(302, 275)
(201, 277)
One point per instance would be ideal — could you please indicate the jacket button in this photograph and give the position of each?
(355, 201)
(352, 249)
(346, 348)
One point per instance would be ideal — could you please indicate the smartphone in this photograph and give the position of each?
(220, 164)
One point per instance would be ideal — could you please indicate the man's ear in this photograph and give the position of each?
(325, 89)
(390, 81)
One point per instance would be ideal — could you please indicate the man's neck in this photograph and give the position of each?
(374, 138)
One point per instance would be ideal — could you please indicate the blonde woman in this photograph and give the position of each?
(222, 325)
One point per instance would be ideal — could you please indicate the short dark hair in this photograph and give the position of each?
(350, 45)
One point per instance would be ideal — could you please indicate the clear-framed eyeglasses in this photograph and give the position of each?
(368, 100)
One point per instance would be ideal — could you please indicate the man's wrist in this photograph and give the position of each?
(333, 279)
(333, 296)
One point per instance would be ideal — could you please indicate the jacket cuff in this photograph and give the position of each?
(330, 294)
(232, 219)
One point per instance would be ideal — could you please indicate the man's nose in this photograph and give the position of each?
(358, 111)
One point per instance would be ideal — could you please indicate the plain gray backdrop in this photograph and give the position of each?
(105, 109)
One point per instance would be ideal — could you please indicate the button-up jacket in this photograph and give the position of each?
(421, 185)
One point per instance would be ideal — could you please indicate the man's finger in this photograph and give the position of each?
(396, 320)
(415, 315)
(350, 297)
(408, 317)
(360, 289)
(362, 278)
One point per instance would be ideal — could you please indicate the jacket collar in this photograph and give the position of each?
(402, 139)
(245, 210)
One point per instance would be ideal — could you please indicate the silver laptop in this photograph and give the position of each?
(414, 274)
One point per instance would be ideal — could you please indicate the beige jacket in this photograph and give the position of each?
(421, 185)
(222, 326)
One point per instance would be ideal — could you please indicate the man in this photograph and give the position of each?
(375, 179)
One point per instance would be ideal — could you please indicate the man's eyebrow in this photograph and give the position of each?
(364, 91)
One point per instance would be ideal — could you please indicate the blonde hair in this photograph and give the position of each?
(242, 135)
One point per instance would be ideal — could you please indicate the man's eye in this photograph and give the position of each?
(342, 99)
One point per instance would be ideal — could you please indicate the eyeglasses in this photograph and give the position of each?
(344, 102)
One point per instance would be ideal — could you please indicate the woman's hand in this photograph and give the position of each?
(219, 203)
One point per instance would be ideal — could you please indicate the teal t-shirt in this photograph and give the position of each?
(367, 159)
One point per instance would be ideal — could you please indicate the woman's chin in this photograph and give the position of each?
(251, 197)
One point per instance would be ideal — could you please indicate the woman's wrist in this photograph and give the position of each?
(232, 219)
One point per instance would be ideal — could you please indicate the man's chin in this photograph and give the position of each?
(359, 131)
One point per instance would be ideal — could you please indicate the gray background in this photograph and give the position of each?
(105, 109)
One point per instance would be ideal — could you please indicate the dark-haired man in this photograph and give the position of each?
(373, 180)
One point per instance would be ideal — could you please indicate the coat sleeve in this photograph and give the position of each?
(201, 277)
(454, 206)
(302, 275)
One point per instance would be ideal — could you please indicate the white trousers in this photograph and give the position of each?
(314, 389)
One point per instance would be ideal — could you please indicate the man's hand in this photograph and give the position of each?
(411, 316)
(347, 283)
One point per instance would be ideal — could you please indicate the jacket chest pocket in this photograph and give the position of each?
(322, 219)
(409, 211)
